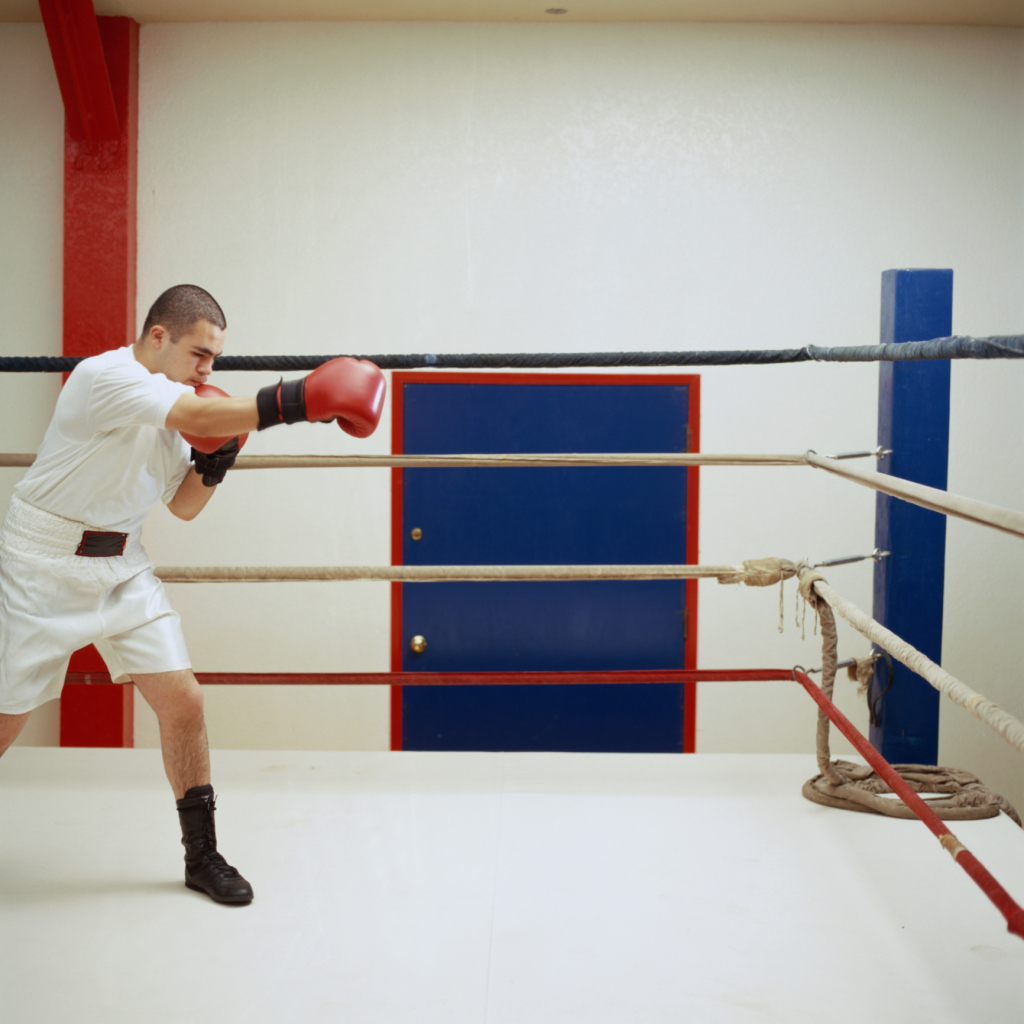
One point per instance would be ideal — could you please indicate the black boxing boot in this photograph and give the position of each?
(205, 869)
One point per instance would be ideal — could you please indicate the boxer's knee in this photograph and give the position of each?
(10, 727)
(185, 704)
(176, 697)
(192, 700)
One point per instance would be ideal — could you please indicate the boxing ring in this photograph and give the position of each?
(463, 888)
(502, 887)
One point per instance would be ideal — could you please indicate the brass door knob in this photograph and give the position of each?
(416, 533)
(418, 644)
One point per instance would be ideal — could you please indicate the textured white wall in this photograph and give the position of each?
(369, 188)
(982, 639)
(31, 223)
(409, 187)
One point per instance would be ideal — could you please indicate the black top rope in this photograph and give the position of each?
(1009, 346)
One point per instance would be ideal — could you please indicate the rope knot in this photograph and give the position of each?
(808, 577)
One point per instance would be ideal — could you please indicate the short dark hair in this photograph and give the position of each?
(182, 306)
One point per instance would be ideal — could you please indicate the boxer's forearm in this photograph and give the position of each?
(191, 496)
(213, 417)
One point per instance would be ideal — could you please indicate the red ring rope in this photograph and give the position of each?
(1003, 901)
(657, 675)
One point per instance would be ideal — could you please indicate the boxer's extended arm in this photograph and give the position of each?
(343, 390)
(191, 497)
(213, 417)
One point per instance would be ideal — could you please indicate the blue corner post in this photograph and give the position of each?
(913, 420)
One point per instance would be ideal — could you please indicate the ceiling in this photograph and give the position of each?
(908, 12)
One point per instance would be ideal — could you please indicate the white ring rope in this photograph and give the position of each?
(973, 511)
(1007, 520)
(441, 573)
(584, 459)
(1002, 722)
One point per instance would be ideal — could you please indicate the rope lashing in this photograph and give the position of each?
(973, 511)
(862, 672)
(956, 347)
(761, 572)
(982, 877)
(458, 573)
(997, 719)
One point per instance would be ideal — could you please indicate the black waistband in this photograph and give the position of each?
(96, 544)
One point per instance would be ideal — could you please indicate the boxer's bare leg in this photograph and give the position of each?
(177, 699)
(178, 702)
(10, 726)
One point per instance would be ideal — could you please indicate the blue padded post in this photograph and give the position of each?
(913, 420)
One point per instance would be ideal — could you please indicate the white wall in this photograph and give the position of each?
(31, 226)
(982, 640)
(408, 187)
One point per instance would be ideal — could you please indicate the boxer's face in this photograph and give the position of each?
(189, 360)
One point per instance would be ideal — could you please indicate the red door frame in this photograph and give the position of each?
(692, 381)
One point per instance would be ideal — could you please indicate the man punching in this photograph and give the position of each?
(72, 568)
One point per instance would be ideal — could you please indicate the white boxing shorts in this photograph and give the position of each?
(53, 602)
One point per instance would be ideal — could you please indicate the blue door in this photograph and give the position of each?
(542, 516)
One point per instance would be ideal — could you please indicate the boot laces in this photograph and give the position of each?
(215, 862)
(209, 858)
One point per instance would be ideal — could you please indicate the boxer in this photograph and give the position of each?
(133, 427)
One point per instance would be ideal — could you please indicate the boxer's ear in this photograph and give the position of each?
(159, 336)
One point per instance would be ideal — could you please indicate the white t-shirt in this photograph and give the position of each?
(107, 459)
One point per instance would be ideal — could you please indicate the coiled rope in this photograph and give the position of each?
(979, 874)
(857, 788)
(956, 347)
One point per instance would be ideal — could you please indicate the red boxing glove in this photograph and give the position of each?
(348, 390)
(208, 445)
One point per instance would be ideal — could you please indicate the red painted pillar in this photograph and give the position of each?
(97, 716)
(97, 66)
(99, 211)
